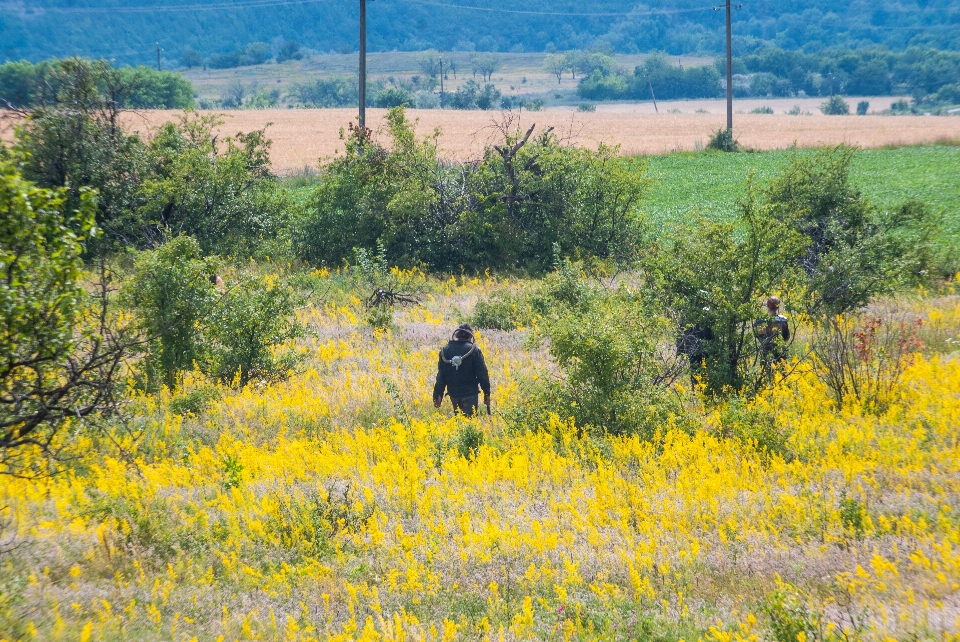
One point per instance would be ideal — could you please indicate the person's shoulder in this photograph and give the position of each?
(781, 318)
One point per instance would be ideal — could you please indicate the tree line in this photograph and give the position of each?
(930, 76)
(393, 25)
(25, 86)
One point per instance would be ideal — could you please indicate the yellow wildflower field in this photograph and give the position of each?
(340, 505)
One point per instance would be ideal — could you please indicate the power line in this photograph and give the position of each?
(531, 12)
(251, 4)
(254, 4)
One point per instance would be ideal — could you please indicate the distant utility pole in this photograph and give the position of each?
(363, 63)
(441, 82)
(158, 56)
(729, 72)
(652, 95)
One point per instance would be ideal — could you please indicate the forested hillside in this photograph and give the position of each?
(128, 30)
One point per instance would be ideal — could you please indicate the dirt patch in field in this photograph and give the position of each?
(303, 136)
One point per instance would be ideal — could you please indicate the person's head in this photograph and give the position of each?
(463, 332)
(773, 304)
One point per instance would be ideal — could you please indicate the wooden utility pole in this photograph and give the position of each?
(158, 56)
(363, 63)
(729, 72)
(441, 82)
(652, 95)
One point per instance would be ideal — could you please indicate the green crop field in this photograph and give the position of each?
(689, 183)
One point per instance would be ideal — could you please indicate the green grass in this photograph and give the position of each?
(710, 183)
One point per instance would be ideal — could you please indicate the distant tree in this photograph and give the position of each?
(289, 50)
(74, 140)
(489, 97)
(862, 107)
(836, 106)
(338, 91)
(234, 94)
(256, 53)
(429, 63)
(585, 63)
(190, 58)
(556, 64)
(394, 97)
(485, 65)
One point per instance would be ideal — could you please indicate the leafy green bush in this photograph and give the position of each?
(563, 290)
(247, 328)
(862, 107)
(715, 275)
(394, 97)
(791, 615)
(233, 336)
(172, 295)
(224, 195)
(613, 374)
(753, 425)
(333, 92)
(28, 85)
(854, 250)
(507, 210)
(722, 140)
(195, 401)
(468, 440)
(61, 354)
(836, 106)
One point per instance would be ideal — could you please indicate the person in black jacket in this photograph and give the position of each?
(460, 371)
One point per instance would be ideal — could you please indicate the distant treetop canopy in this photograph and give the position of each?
(77, 27)
(24, 85)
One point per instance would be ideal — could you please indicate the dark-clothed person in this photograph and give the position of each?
(692, 343)
(462, 372)
(772, 331)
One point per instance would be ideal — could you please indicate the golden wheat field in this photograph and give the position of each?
(339, 505)
(302, 136)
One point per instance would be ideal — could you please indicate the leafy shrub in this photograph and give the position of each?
(723, 141)
(714, 275)
(503, 310)
(862, 107)
(751, 424)
(507, 210)
(900, 106)
(852, 512)
(561, 291)
(333, 92)
(221, 193)
(586, 107)
(862, 358)
(791, 615)
(246, 329)
(853, 250)
(614, 375)
(172, 294)
(394, 97)
(232, 337)
(764, 109)
(469, 439)
(61, 354)
(836, 106)
(195, 401)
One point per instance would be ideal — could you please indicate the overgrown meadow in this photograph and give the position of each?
(215, 391)
(339, 504)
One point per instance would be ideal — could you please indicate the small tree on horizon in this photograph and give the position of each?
(836, 106)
